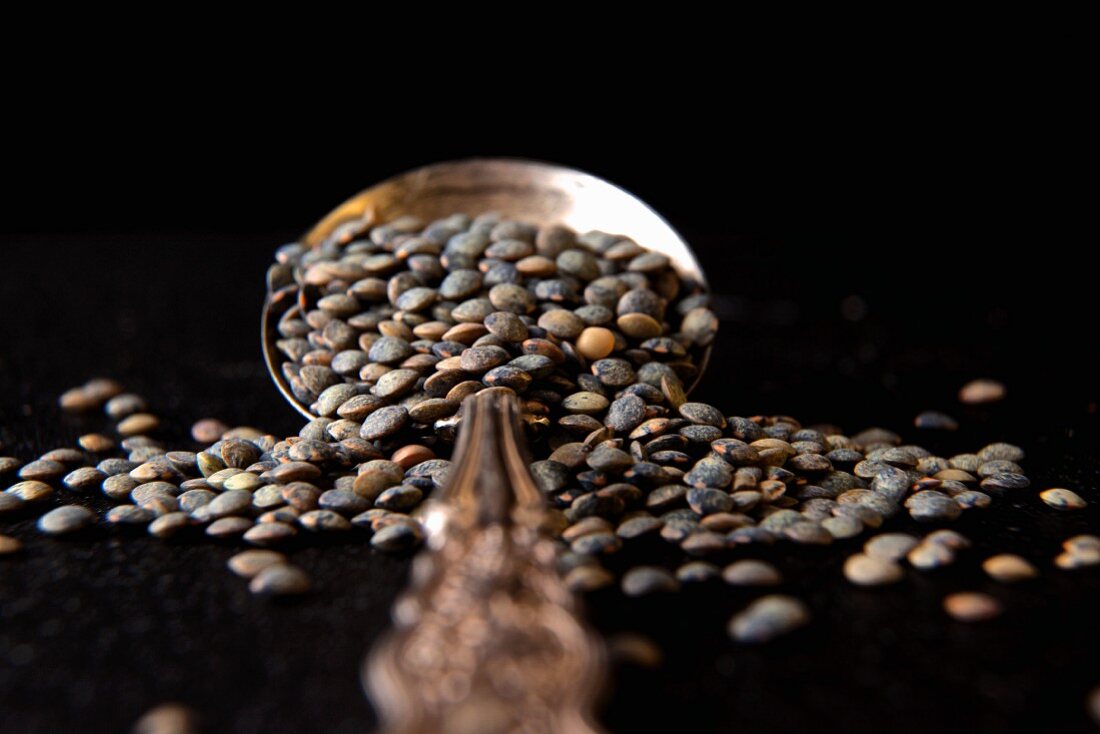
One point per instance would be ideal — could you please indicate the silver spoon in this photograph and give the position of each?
(487, 638)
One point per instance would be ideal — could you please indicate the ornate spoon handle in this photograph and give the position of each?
(487, 639)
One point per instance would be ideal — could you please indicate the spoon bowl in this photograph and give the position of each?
(531, 191)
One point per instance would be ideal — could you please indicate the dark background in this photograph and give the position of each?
(867, 265)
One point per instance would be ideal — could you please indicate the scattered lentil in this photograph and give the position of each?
(890, 547)
(169, 524)
(869, 570)
(280, 579)
(927, 556)
(1077, 560)
(270, 533)
(931, 419)
(972, 606)
(97, 443)
(168, 718)
(977, 392)
(768, 618)
(247, 564)
(1063, 499)
(228, 527)
(645, 580)
(138, 424)
(1081, 544)
(397, 537)
(697, 572)
(9, 545)
(129, 515)
(66, 519)
(42, 470)
(1009, 568)
(751, 573)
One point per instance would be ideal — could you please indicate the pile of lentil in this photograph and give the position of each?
(598, 337)
(403, 321)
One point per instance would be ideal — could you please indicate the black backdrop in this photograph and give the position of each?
(964, 230)
(134, 246)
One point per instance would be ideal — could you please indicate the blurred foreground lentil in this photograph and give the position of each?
(168, 718)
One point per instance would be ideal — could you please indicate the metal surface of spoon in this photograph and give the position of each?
(487, 639)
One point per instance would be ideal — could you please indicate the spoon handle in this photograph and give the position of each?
(487, 638)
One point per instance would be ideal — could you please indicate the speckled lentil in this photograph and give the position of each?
(66, 519)
(1062, 499)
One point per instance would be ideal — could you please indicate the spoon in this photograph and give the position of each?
(487, 639)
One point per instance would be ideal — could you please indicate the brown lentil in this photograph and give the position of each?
(972, 606)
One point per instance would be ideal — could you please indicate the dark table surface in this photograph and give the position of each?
(97, 629)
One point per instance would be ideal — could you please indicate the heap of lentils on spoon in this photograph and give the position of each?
(405, 321)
